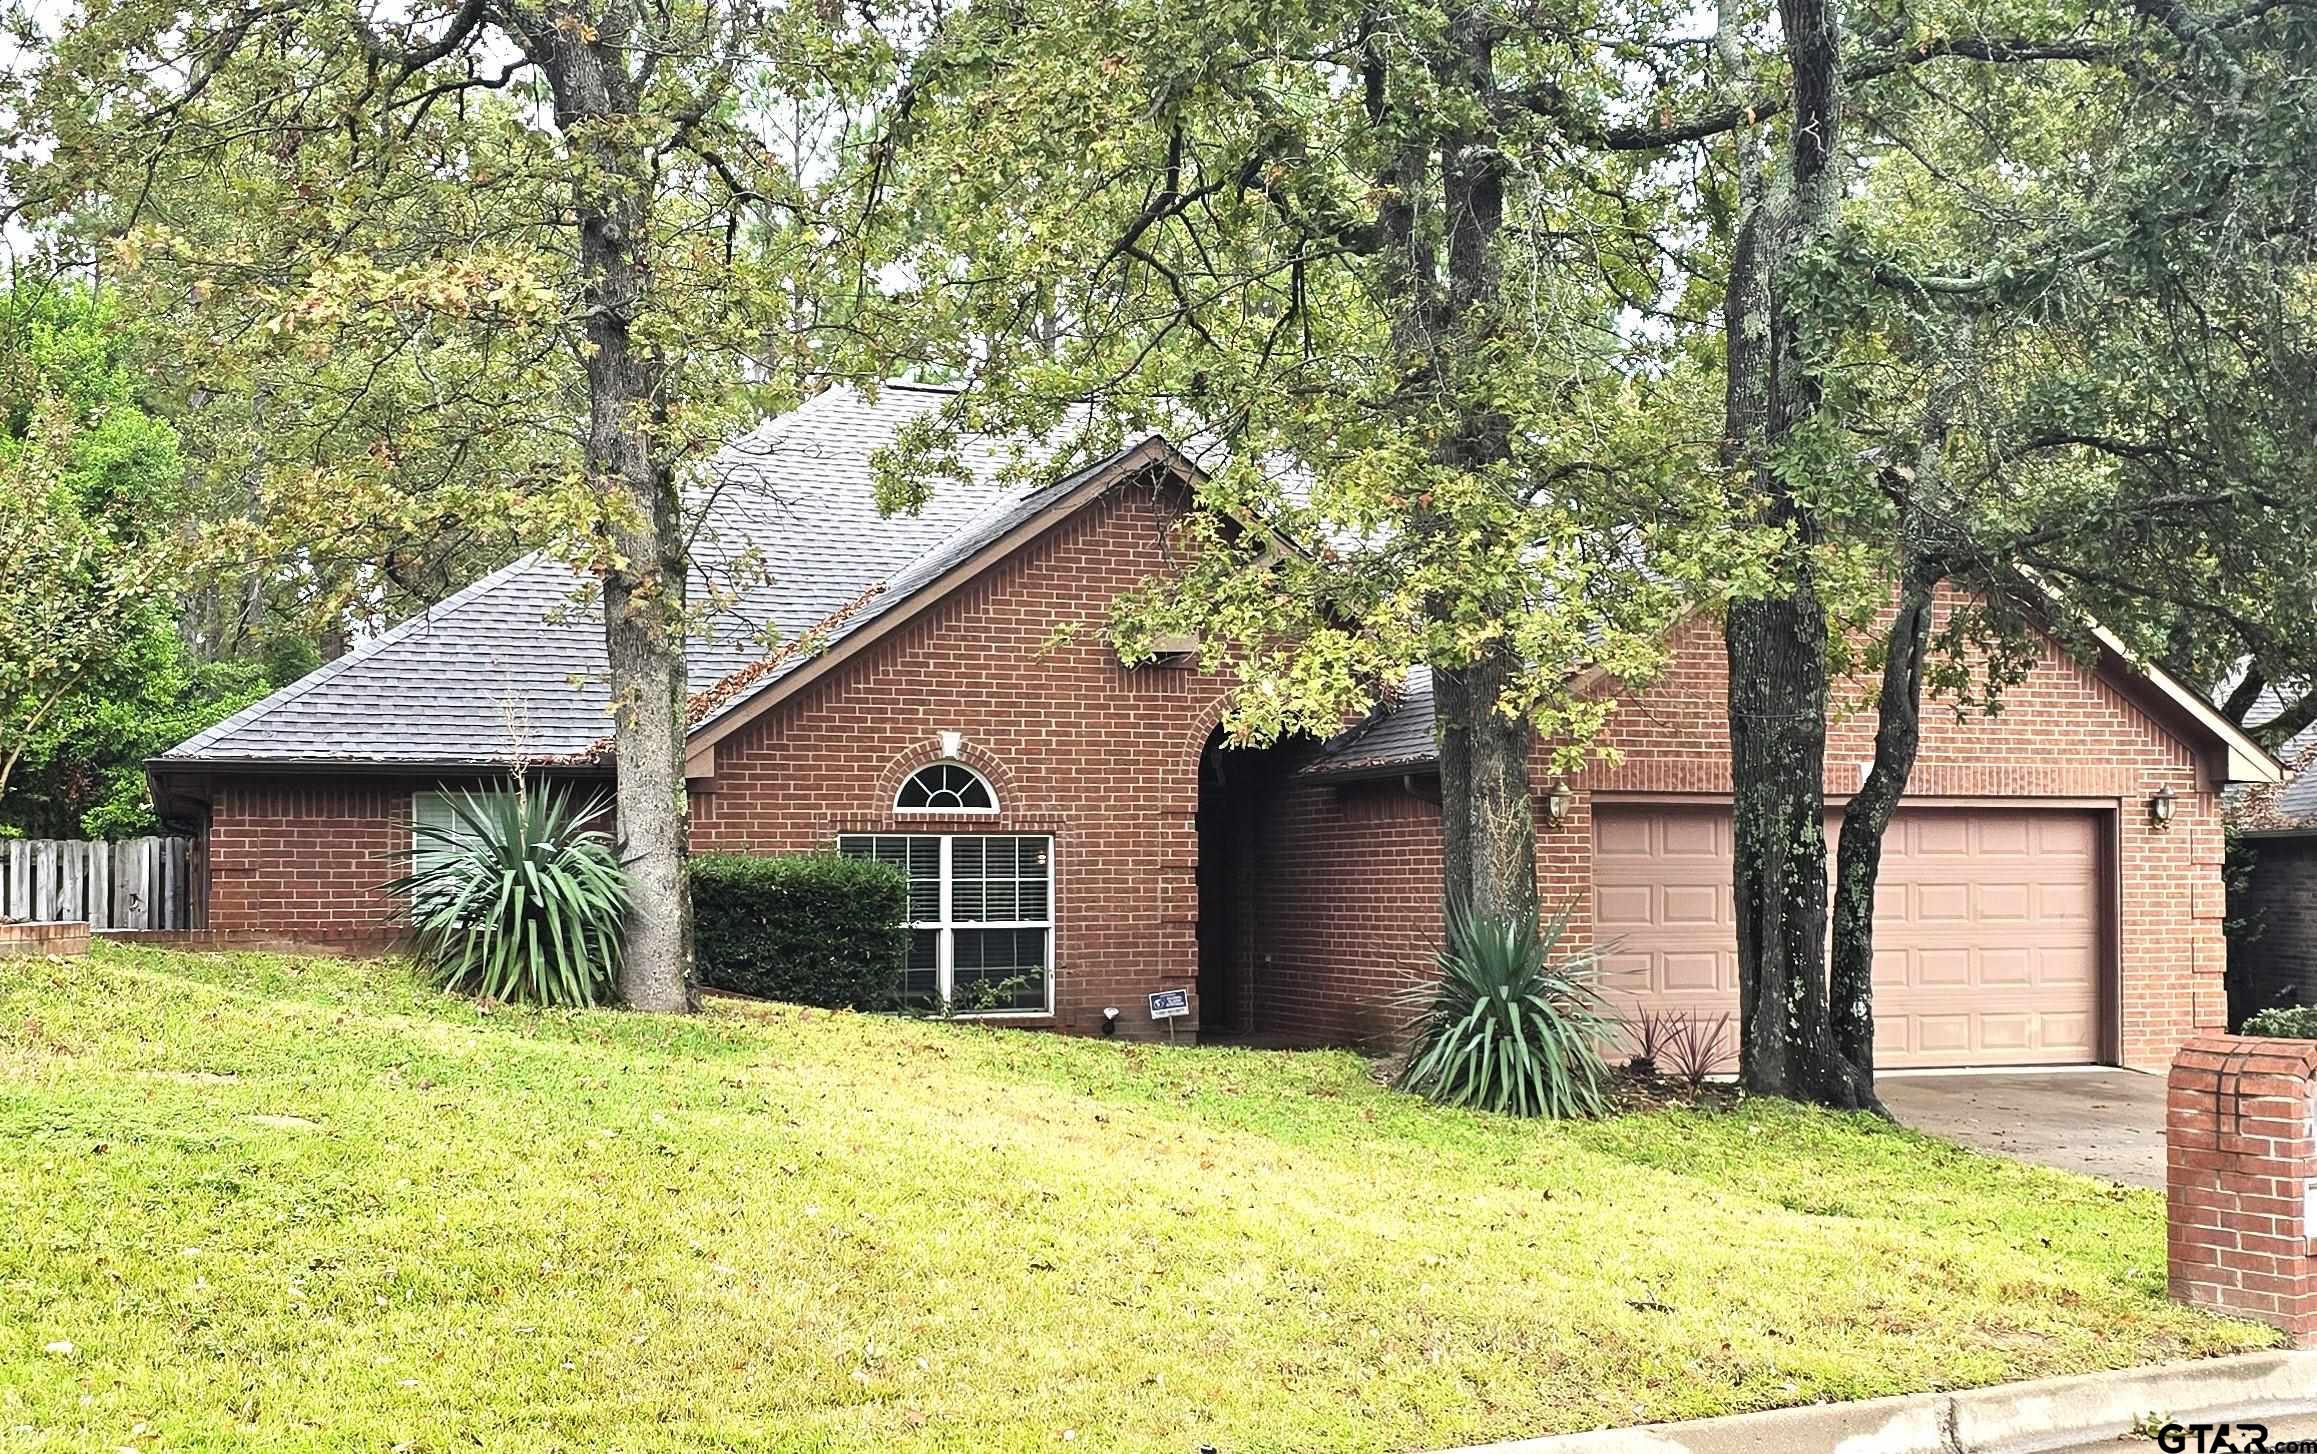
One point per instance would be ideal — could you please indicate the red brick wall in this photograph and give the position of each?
(1102, 758)
(297, 859)
(302, 857)
(2240, 1157)
(1350, 889)
(2065, 735)
(64, 939)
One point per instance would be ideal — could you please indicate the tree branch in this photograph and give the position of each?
(1551, 103)
(409, 59)
(2246, 695)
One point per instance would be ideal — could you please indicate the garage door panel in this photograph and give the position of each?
(1936, 1036)
(1623, 906)
(1891, 1044)
(1999, 835)
(2069, 1037)
(1937, 838)
(1694, 835)
(2010, 965)
(2063, 903)
(1699, 973)
(1622, 833)
(1891, 970)
(1694, 904)
(1999, 902)
(2059, 834)
(2001, 1032)
(1939, 903)
(2068, 966)
(1937, 968)
(1986, 945)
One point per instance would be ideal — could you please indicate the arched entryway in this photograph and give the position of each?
(1238, 791)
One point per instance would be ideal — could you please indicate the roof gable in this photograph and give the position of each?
(1399, 736)
(788, 541)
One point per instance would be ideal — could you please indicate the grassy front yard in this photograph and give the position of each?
(257, 1202)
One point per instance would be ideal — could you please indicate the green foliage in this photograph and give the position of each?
(100, 546)
(518, 898)
(84, 774)
(370, 315)
(1513, 1025)
(1473, 448)
(2298, 1022)
(92, 553)
(814, 929)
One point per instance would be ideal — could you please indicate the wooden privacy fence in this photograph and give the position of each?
(136, 883)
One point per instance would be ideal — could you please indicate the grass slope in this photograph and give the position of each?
(273, 1203)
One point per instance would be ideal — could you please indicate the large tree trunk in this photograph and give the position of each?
(643, 590)
(1488, 818)
(1777, 653)
(1777, 643)
(1859, 855)
(1488, 833)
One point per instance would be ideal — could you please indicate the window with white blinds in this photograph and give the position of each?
(981, 918)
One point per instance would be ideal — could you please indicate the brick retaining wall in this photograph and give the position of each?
(2241, 1155)
(67, 937)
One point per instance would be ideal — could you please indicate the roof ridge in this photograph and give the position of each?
(887, 597)
(330, 671)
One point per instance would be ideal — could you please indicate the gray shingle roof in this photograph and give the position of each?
(788, 527)
(2265, 807)
(1398, 734)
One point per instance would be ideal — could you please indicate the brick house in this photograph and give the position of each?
(2273, 883)
(1077, 829)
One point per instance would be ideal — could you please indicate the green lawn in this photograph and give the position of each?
(258, 1202)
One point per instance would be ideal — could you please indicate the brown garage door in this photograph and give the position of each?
(1987, 941)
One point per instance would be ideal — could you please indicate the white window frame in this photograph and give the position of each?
(987, 786)
(946, 926)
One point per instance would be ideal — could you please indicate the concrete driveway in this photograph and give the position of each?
(2105, 1123)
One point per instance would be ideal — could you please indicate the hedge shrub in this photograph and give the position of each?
(2297, 1023)
(814, 929)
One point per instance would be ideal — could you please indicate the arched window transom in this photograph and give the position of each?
(946, 787)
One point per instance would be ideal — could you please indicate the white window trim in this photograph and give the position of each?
(447, 797)
(987, 786)
(945, 928)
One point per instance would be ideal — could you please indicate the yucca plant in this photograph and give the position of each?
(518, 898)
(1513, 1025)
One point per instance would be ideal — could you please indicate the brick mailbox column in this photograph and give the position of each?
(2241, 1161)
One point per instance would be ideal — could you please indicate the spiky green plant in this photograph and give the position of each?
(518, 898)
(1512, 1025)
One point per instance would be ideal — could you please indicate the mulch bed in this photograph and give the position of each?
(1632, 1091)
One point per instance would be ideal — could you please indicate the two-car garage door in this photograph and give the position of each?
(1987, 928)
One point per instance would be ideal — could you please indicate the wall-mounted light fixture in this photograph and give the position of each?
(2160, 806)
(1557, 804)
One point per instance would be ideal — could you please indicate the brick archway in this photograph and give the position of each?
(898, 769)
(1191, 751)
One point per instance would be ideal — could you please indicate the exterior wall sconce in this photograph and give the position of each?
(2160, 806)
(1557, 804)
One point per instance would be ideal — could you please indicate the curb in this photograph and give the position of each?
(2009, 1418)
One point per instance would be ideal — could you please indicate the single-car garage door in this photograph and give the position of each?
(1987, 928)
